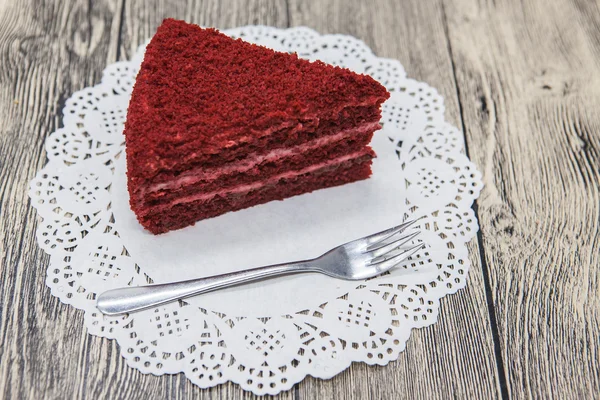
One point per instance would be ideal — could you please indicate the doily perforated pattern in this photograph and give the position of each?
(370, 323)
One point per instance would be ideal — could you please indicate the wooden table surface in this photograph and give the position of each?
(521, 79)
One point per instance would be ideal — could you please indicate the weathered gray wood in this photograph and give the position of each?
(529, 80)
(526, 77)
(46, 51)
(92, 367)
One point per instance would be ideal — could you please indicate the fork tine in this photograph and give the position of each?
(388, 233)
(382, 248)
(384, 265)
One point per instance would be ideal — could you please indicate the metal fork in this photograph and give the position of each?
(357, 260)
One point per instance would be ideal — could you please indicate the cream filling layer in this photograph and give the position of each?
(207, 174)
(256, 185)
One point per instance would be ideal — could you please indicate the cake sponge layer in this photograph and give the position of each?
(208, 179)
(199, 93)
(208, 111)
(185, 214)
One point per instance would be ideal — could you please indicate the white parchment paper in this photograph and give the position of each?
(297, 228)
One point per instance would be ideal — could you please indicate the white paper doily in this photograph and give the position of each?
(267, 336)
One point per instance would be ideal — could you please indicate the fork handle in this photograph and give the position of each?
(124, 300)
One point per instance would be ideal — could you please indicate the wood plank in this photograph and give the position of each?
(529, 80)
(46, 52)
(455, 357)
(142, 18)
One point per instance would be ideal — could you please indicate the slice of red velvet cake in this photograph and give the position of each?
(216, 125)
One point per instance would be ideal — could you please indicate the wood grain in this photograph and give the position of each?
(92, 367)
(529, 82)
(47, 51)
(521, 79)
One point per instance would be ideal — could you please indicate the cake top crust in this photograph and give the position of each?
(200, 91)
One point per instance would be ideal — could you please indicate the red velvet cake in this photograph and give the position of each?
(216, 125)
